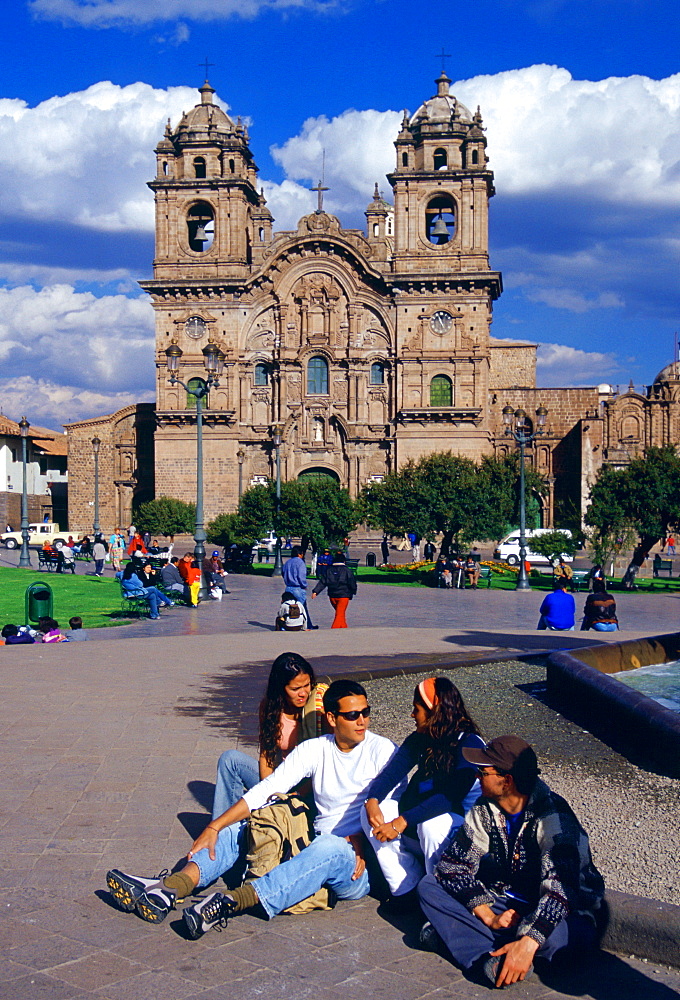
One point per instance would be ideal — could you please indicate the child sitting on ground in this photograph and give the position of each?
(292, 616)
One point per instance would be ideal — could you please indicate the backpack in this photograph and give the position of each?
(276, 833)
(294, 611)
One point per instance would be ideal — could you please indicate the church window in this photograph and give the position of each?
(199, 167)
(200, 227)
(440, 159)
(404, 159)
(377, 373)
(261, 374)
(475, 157)
(317, 377)
(440, 220)
(261, 234)
(195, 383)
(165, 168)
(376, 229)
(232, 167)
(441, 391)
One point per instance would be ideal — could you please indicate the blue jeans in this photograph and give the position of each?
(300, 594)
(468, 939)
(99, 566)
(329, 860)
(156, 600)
(236, 773)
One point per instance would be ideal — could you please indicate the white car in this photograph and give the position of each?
(268, 543)
(508, 548)
(38, 534)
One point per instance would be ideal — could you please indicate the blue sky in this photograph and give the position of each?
(581, 101)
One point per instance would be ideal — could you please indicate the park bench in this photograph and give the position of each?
(662, 566)
(578, 578)
(134, 604)
(48, 561)
(485, 573)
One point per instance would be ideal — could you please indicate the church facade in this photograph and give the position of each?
(361, 349)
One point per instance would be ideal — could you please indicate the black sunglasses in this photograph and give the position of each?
(353, 716)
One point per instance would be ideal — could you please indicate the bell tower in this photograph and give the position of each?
(210, 219)
(443, 284)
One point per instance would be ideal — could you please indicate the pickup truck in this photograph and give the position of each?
(38, 534)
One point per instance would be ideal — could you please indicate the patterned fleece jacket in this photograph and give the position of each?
(550, 866)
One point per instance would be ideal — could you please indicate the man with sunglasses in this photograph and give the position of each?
(518, 880)
(340, 767)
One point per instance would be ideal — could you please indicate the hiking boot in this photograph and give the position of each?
(127, 890)
(429, 940)
(155, 903)
(213, 911)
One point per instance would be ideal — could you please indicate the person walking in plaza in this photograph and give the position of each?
(517, 881)
(294, 575)
(670, 542)
(419, 821)
(116, 549)
(342, 587)
(99, 555)
(385, 551)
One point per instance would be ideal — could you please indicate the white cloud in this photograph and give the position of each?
(358, 149)
(84, 158)
(50, 405)
(560, 365)
(123, 13)
(617, 139)
(104, 345)
(573, 301)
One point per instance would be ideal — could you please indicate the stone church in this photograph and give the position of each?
(364, 349)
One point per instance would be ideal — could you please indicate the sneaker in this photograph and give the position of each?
(213, 911)
(429, 939)
(128, 889)
(155, 903)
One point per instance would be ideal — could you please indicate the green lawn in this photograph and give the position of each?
(96, 600)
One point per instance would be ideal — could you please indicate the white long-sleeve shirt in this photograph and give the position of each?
(339, 780)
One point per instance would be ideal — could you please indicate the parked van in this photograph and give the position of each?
(508, 548)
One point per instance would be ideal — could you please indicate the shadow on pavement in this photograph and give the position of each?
(541, 640)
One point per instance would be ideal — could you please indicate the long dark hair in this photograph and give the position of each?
(284, 668)
(446, 721)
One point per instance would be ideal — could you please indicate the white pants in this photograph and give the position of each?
(404, 861)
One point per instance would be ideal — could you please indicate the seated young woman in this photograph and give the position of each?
(421, 819)
(290, 712)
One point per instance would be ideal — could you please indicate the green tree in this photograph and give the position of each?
(226, 530)
(317, 511)
(553, 545)
(644, 496)
(166, 516)
(445, 494)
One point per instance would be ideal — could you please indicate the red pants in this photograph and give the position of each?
(340, 605)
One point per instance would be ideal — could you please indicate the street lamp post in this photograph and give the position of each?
(96, 444)
(240, 455)
(214, 365)
(523, 437)
(277, 441)
(25, 557)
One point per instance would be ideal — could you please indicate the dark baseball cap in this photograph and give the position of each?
(502, 753)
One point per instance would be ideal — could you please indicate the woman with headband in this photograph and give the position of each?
(421, 819)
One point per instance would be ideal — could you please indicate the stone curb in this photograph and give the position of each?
(635, 925)
(642, 927)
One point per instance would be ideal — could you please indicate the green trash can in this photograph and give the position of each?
(39, 602)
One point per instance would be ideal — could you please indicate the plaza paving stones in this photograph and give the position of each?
(108, 751)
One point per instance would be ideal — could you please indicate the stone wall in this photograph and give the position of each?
(126, 467)
(10, 509)
(511, 364)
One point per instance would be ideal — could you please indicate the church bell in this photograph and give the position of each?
(439, 229)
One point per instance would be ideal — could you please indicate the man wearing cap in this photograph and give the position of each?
(215, 572)
(294, 575)
(518, 880)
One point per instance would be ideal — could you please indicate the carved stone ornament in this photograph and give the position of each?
(319, 222)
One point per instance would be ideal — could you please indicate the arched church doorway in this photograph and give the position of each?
(319, 474)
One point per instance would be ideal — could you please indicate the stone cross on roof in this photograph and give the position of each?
(319, 190)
